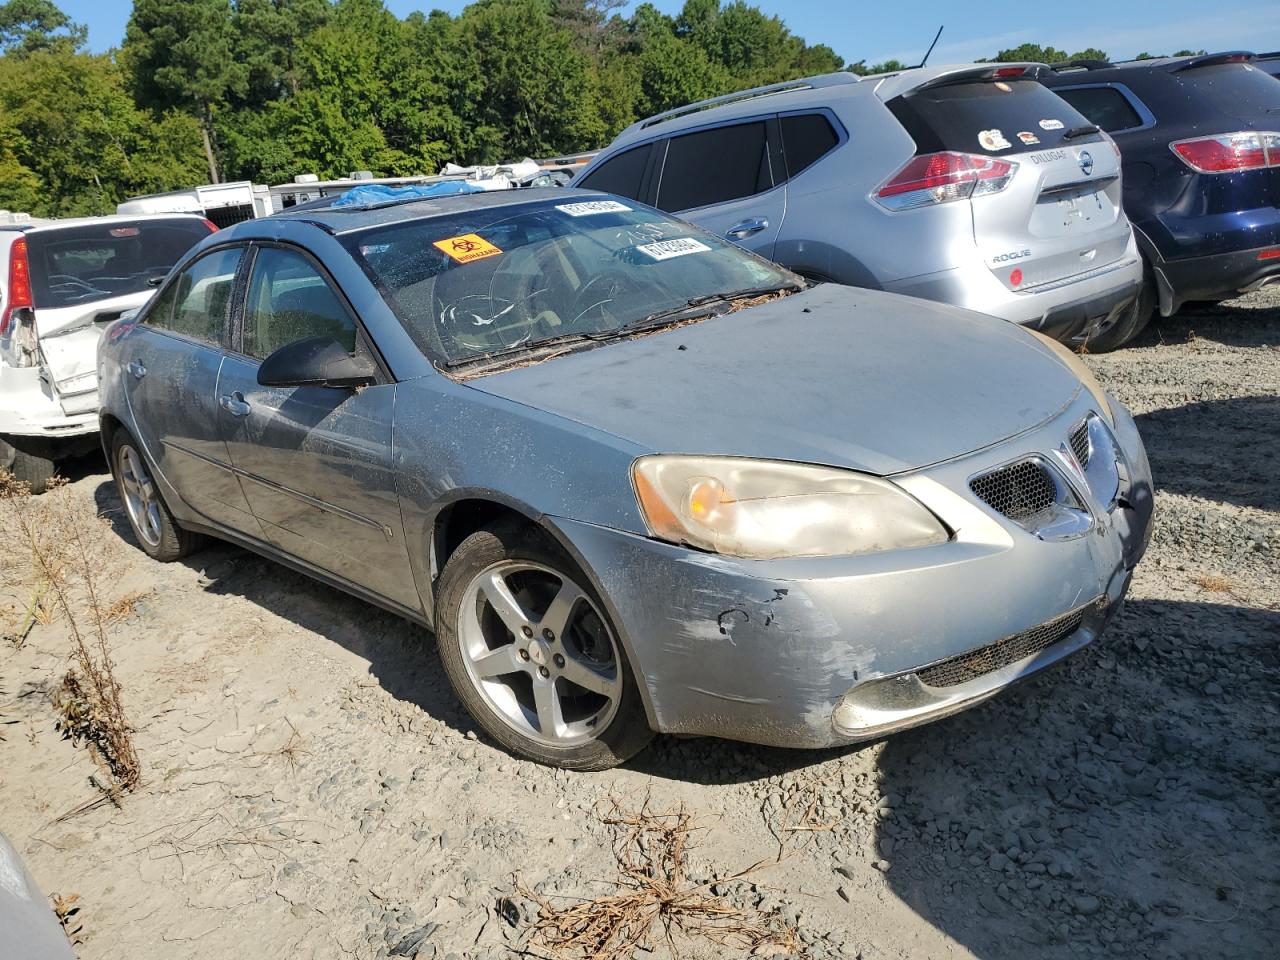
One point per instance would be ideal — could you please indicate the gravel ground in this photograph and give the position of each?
(312, 789)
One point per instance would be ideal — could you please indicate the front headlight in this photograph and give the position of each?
(763, 509)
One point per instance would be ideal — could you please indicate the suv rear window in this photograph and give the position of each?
(807, 138)
(1236, 89)
(1106, 106)
(986, 117)
(90, 262)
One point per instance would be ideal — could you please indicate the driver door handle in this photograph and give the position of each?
(235, 404)
(136, 368)
(740, 231)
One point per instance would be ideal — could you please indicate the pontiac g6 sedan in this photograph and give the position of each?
(634, 478)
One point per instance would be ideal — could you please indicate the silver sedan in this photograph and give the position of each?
(634, 478)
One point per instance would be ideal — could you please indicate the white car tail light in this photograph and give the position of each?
(19, 285)
(1229, 152)
(942, 177)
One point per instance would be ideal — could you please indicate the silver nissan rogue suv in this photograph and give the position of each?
(971, 185)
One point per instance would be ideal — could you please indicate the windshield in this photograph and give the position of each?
(502, 279)
(88, 262)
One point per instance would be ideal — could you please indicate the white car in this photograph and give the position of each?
(61, 283)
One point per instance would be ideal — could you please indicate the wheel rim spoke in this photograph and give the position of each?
(547, 702)
(578, 673)
(505, 605)
(497, 663)
(559, 613)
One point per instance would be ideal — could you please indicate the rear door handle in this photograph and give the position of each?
(234, 404)
(137, 369)
(740, 231)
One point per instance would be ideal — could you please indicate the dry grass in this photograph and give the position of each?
(67, 910)
(1213, 583)
(123, 608)
(654, 898)
(58, 551)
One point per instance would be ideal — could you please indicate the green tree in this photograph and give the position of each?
(886, 66)
(1034, 53)
(28, 26)
(179, 54)
(267, 34)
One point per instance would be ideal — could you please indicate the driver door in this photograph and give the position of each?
(316, 462)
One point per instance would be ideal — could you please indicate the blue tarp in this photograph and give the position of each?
(375, 193)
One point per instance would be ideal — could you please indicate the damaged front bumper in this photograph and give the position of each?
(816, 652)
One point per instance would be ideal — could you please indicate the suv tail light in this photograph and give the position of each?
(943, 177)
(19, 285)
(1229, 152)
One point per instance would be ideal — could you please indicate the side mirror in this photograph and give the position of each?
(316, 362)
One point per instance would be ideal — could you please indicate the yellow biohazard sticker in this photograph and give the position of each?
(467, 247)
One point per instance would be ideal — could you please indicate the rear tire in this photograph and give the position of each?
(1130, 324)
(498, 598)
(157, 533)
(34, 471)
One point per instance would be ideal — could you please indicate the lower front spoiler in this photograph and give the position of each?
(880, 707)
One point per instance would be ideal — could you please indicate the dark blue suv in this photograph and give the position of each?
(1200, 152)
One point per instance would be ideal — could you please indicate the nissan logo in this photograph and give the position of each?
(1086, 162)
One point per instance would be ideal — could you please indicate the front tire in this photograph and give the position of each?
(34, 471)
(157, 533)
(532, 655)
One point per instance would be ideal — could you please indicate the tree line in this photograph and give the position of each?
(209, 90)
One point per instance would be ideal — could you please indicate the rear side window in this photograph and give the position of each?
(989, 118)
(197, 304)
(715, 166)
(620, 175)
(1107, 107)
(1238, 90)
(83, 264)
(289, 299)
(807, 137)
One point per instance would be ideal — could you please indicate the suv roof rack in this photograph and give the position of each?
(807, 83)
(1068, 65)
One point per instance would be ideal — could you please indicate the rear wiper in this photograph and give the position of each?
(1077, 132)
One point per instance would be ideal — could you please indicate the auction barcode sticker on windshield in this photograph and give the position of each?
(588, 208)
(666, 249)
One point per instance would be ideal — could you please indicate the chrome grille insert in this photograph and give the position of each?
(984, 660)
(1080, 446)
(1021, 492)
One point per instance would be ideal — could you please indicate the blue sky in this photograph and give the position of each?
(877, 31)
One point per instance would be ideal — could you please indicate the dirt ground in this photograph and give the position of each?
(312, 790)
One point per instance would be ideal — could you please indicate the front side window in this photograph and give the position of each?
(510, 278)
(197, 304)
(620, 175)
(715, 166)
(289, 299)
(1106, 106)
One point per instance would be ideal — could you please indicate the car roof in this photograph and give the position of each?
(340, 220)
(806, 92)
(1077, 71)
(41, 226)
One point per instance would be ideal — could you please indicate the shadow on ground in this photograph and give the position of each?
(1228, 323)
(1122, 804)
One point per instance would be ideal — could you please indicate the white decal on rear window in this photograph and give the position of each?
(992, 140)
(666, 249)
(588, 207)
(1051, 124)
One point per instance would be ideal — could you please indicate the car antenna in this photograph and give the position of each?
(931, 46)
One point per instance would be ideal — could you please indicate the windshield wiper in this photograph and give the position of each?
(1076, 132)
(692, 308)
(537, 350)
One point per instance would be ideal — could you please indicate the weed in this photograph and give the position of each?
(1213, 583)
(654, 896)
(67, 910)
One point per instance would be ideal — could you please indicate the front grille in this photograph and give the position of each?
(1080, 444)
(1020, 491)
(976, 663)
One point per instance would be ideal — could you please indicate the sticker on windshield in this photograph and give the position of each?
(589, 208)
(1027, 137)
(992, 140)
(666, 249)
(1051, 124)
(467, 247)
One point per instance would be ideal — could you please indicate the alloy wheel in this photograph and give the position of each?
(141, 499)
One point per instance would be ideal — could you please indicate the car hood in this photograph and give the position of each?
(834, 375)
